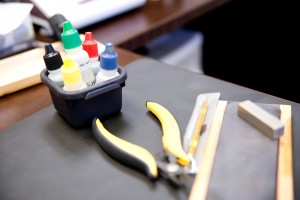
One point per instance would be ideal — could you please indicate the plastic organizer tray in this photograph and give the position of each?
(79, 108)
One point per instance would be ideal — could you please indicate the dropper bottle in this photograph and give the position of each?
(72, 76)
(72, 45)
(53, 62)
(108, 64)
(91, 47)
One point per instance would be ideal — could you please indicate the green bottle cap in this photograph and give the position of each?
(70, 37)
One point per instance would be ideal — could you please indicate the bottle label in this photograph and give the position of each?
(84, 63)
(87, 73)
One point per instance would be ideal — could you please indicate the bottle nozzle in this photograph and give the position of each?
(69, 63)
(71, 72)
(109, 47)
(52, 58)
(89, 36)
(109, 58)
(90, 45)
(49, 49)
(70, 37)
(67, 26)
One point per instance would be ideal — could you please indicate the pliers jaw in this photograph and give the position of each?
(170, 170)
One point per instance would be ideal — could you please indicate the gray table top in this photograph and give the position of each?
(42, 157)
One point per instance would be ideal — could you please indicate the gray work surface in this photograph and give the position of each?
(246, 160)
(42, 157)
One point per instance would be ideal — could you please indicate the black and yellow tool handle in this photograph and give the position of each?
(171, 138)
(125, 152)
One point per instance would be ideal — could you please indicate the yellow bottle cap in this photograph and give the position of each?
(71, 72)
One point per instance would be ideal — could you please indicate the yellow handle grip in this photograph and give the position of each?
(127, 153)
(171, 133)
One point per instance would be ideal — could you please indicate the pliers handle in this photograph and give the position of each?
(139, 158)
(125, 152)
(171, 139)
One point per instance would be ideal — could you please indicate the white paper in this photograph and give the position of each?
(82, 13)
(12, 15)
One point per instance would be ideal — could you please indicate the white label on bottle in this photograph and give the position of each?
(87, 73)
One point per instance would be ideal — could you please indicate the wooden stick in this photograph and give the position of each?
(200, 186)
(285, 189)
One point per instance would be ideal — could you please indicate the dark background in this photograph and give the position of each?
(253, 44)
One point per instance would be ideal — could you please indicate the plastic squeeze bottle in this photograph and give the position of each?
(53, 62)
(72, 45)
(108, 64)
(72, 76)
(91, 47)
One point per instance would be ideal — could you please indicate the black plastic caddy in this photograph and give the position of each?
(79, 108)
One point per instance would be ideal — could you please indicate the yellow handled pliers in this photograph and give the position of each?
(170, 166)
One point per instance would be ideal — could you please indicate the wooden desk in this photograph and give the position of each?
(137, 27)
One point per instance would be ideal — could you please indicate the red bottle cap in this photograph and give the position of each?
(90, 45)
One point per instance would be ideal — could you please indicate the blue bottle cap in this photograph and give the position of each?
(109, 58)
